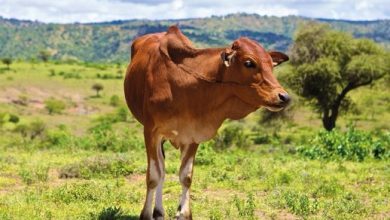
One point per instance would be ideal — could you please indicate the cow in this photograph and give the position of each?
(182, 94)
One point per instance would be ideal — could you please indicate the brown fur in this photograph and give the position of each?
(183, 94)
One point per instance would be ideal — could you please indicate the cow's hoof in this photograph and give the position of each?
(144, 216)
(181, 216)
(158, 214)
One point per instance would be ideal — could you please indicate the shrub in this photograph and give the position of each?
(22, 129)
(52, 72)
(250, 169)
(298, 203)
(13, 118)
(351, 145)
(98, 166)
(33, 130)
(246, 208)
(205, 154)
(72, 76)
(22, 100)
(102, 137)
(54, 106)
(344, 207)
(37, 128)
(8, 118)
(34, 174)
(58, 137)
(111, 213)
(232, 135)
(115, 101)
(122, 114)
(328, 189)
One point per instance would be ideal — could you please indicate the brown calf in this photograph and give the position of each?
(183, 94)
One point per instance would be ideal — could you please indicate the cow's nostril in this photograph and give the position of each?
(284, 97)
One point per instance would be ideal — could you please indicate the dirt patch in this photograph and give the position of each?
(283, 215)
(134, 178)
(34, 98)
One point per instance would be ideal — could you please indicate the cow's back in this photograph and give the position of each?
(134, 86)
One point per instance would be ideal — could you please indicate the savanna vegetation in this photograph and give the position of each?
(69, 148)
(109, 41)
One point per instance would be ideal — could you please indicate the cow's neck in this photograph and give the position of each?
(208, 64)
(205, 64)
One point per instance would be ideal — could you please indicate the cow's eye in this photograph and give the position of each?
(249, 64)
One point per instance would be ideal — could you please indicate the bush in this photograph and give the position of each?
(8, 118)
(344, 207)
(103, 137)
(111, 213)
(205, 154)
(54, 106)
(34, 174)
(351, 145)
(300, 204)
(58, 137)
(232, 136)
(99, 166)
(122, 114)
(72, 76)
(246, 208)
(33, 130)
(296, 202)
(114, 101)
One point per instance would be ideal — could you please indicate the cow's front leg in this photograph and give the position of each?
(154, 173)
(187, 161)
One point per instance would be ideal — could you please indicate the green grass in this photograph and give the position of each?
(91, 165)
(236, 184)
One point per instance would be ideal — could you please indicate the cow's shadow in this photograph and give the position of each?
(115, 213)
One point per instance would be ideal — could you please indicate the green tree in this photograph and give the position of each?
(7, 61)
(97, 87)
(329, 64)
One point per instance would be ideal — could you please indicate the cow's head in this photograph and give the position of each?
(249, 65)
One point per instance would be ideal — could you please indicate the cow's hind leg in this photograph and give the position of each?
(154, 173)
(187, 161)
(158, 211)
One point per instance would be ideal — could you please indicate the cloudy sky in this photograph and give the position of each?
(66, 11)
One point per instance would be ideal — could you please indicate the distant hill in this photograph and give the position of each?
(109, 41)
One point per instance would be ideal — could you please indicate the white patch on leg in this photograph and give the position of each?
(184, 201)
(187, 169)
(153, 174)
(159, 192)
(148, 208)
(153, 170)
(185, 196)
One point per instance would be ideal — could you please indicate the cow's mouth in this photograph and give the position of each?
(275, 107)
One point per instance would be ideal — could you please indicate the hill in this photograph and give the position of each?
(109, 41)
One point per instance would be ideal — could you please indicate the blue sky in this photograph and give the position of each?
(66, 11)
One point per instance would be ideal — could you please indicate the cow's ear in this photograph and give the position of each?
(227, 56)
(278, 57)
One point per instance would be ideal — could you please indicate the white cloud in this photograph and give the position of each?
(104, 10)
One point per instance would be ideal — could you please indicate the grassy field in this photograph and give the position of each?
(87, 161)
